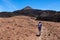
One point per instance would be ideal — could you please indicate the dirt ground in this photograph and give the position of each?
(25, 28)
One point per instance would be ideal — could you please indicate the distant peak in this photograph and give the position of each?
(27, 7)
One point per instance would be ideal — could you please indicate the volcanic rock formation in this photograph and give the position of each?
(48, 15)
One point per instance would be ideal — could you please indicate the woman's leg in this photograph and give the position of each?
(39, 29)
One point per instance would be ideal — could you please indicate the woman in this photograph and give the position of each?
(39, 28)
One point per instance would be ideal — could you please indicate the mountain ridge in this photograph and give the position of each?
(48, 15)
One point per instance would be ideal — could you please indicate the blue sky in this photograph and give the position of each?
(12, 5)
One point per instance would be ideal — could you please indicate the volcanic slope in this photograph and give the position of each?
(18, 28)
(25, 28)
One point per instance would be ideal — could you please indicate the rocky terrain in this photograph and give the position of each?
(50, 31)
(18, 28)
(25, 28)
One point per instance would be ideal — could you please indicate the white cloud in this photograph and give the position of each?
(9, 4)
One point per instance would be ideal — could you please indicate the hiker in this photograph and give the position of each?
(39, 28)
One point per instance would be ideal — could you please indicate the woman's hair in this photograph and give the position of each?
(39, 22)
